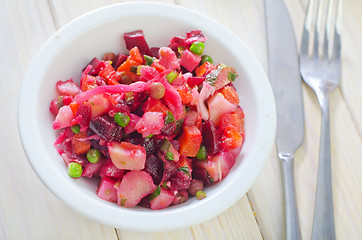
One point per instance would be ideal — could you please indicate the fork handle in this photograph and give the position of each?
(291, 217)
(323, 224)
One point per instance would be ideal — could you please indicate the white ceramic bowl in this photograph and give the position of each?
(65, 54)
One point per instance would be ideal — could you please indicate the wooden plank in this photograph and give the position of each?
(27, 209)
(30, 211)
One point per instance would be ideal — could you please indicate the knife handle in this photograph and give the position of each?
(291, 217)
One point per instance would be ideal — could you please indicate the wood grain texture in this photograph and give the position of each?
(29, 211)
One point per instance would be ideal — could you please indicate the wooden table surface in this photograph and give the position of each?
(29, 211)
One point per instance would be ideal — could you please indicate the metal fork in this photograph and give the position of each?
(321, 70)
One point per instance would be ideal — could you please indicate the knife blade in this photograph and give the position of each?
(287, 88)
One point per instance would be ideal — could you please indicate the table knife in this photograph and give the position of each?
(287, 88)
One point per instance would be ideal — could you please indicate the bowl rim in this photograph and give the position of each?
(180, 218)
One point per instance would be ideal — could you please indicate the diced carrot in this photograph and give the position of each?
(190, 141)
(80, 146)
(154, 105)
(184, 93)
(135, 55)
(88, 83)
(204, 69)
(126, 68)
(109, 74)
(230, 94)
(234, 119)
(158, 66)
(184, 162)
(231, 138)
(74, 106)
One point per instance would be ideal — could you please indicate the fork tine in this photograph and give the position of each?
(326, 30)
(304, 48)
(316, 31)
(336, 54)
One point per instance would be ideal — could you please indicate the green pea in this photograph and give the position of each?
(93, 155)
(75, 129)
(148, 60)
(121, 119)
(202, 153)
(197, 48)
(200, 195)
(75, 170)
(206, 58)
(171, 76)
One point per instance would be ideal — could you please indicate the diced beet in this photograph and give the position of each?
(134, 186)
(168, 129)
(210, 137)
(195, 81)
(145, 202)
(136, 38)
(194, 36)
(189, 60)
(97, 66)
(201, 174)
(68, 88)
(154, 52)
(136, 140)
(64, 118)
(151, 145)
(103, 149)
(92, 169)
(177, 42)
(134, 100)
(105, 127)
(163, 200)
(180, 196)
(175, 144)
(180, 180)
(106, 189)
(82, 116)
(154, 166)
(120, 58)
(169, 168)
(109, 170)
